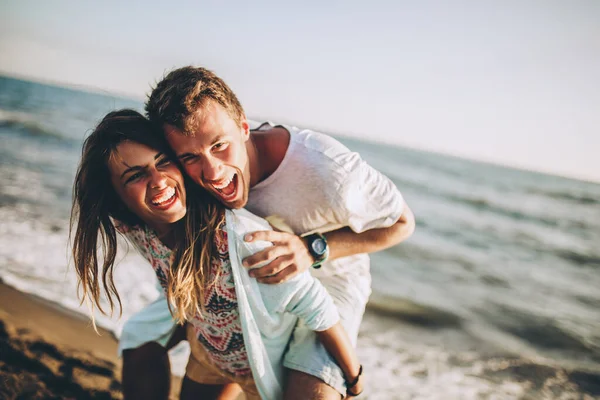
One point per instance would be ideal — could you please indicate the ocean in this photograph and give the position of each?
(496, 295)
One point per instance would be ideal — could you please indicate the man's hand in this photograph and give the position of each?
(289, 256)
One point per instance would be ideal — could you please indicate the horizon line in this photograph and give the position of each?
(351, 135)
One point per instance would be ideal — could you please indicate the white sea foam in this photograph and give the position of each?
(403, 361)
(35, 259)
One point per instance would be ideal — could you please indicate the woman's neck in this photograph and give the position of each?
(166, 234)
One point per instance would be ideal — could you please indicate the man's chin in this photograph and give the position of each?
(235, 203)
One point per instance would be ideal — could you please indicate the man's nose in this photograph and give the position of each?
(212, 169)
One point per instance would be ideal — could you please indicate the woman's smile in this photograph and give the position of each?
(149, 183)
(165, 199)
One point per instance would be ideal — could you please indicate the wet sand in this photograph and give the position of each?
(49, 352)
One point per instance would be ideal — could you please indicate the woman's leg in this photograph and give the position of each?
(146, 373)
(146, 370)
(302, 386)
(191, 390)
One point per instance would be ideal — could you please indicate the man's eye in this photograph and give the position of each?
(220, 146)
(134, 177)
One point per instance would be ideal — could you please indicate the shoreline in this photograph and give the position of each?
(50, 351)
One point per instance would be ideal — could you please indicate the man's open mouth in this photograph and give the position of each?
(227, 189)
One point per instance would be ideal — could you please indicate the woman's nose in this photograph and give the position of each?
(157, 180)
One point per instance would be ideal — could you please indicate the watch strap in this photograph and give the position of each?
(319, 258)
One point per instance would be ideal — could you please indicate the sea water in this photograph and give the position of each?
(496, 295)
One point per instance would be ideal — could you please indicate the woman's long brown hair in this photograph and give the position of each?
(189, 275)
(95, 202)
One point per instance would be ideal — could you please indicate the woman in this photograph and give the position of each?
(238, 329)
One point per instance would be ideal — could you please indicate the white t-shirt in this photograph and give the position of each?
(320, 186)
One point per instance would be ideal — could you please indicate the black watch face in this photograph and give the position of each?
(319, 246)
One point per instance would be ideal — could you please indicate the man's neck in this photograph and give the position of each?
(266, 151)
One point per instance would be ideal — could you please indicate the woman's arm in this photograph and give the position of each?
(305, 297)
(337, 343)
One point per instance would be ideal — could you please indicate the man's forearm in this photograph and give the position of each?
(290, 253)
(344, 242)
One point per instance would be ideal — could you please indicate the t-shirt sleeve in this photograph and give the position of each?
(367, 198)
(309, 300)
(303, 296)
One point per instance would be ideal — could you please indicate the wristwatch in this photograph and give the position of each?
(318, 248)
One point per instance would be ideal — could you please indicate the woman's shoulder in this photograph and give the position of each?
(121, 226)
(138, 235)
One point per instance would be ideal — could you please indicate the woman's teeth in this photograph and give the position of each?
(164, 196)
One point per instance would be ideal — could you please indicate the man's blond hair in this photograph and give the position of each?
(179, 98)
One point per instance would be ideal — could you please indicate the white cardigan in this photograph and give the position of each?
(268, 313)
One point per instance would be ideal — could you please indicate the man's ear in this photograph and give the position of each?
(245, 127)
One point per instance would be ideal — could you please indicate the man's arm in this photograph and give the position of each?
(290, 253)
(345, 242)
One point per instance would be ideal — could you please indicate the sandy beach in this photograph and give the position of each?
(49, 352)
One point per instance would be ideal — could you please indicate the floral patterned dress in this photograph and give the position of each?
(219, 328)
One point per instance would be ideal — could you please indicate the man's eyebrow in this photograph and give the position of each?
(184, 155)
(217, 139)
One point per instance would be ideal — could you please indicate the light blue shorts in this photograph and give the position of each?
(306, 353)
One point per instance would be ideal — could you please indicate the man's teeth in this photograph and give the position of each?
(224, 184)
(164, 196)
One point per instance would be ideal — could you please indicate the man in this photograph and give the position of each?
(311, 181)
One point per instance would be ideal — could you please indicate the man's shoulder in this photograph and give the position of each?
(318, 141)
(322, 150)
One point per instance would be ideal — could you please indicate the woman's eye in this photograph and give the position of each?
(164, 161)
(134, 177)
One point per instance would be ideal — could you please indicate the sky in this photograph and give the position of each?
(509, 82)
